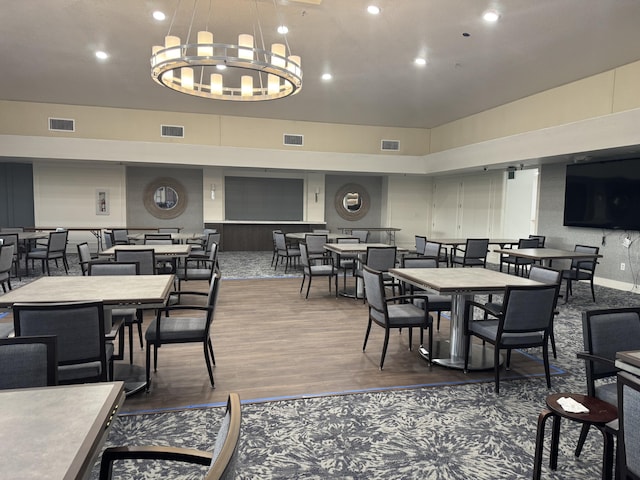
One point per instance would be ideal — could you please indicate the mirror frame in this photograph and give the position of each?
(364, 198)
(150, 204)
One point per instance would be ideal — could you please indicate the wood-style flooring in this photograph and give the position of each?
(270, 342)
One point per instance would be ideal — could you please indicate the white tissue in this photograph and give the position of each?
(570, 405)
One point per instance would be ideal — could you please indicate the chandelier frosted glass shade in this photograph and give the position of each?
(222, 71)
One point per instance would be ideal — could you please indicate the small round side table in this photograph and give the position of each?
(600, 413)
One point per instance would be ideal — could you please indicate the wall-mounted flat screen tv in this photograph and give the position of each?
(603, 195)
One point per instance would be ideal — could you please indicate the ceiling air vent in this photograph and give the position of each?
(62, 124)
(390, 145)
(296, 140)
(175, 131)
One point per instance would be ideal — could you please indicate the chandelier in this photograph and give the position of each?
(240, 72)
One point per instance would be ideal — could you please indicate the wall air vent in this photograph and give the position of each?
(62, 125)
(390, 145)
(174, 131)
(295, 140)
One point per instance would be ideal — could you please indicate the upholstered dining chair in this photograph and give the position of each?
(315, 246)
(420, 241)
(435, 250)
(127, 316)
(27, 362)
(380, 259)
(18, 249)
(383, 311)
(85, 257)
(55, 250)
(120, 236)
(628, 459)
(520, 265)
(541, 240)
(524, 322)
(198, 268)
(83, 353)
(6, 264)
(346, 261)
(606, 332)
(289, 253)
(474, 254)
(581, 270)
(311, 269)
(194, 328)
(221, 460)
(145, 257)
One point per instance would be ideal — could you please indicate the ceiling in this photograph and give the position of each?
(48, 53)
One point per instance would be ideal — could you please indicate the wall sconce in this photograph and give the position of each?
(213, 191)
(317, 193)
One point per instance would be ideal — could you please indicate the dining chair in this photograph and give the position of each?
(274, 255)
(84, 355)
(120, 236)
(165, 264)
(310, 270)
(127, 316)
(55, 250)
(524, 322)
(85, 257)
(285, 251)
(221, 460)
(195, 328)
(581, 270)
(145, 257)
(520, 265)
(315, 246)
(628, 460)
(473, 255)
(541, 240)
(420, 242)
(27, 362)
(158, 239)
(435, 302)
(606, 332)
(346, 261)
(380, 259)
(199, 244)
(362, 235)
(385, 312)
(6, 264)
(435, 250)
(197, 268)
(18, 249)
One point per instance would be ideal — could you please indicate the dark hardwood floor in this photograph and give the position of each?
(270, 342)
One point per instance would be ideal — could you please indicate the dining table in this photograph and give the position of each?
(462, 284)
(170, 250)
(56, 432)
(547, 255)
(331, 237)
(178, 237)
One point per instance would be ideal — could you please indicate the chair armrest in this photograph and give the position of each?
(595, 358)
(406, 297)
(187, 455)
(467, 310)
(184, 292)
(116, 327)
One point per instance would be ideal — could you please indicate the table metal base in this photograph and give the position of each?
(133, 376)
(480, 357)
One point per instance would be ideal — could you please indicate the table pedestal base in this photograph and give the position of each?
(480, 358)
(133, 376)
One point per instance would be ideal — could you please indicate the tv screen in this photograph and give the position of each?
(603, 195)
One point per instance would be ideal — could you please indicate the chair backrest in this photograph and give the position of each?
(528, 243)
(420, 244)
(84, 256)
(363, 235)
(315, 242)
(304, 256)
(374, 289)
(108, 240)
(157, 239)
(27, 362)
(80, 331)
(120, 236)
(280, 241)
(419, 262)
(212, 237)
(529, 308)
(477, 248)
(145, 257)
(9, 239)
(57, 241)
(113, 268)
(12, 229)
(6, 258)
(381, 258)
(169, 230)
(432, 249)
(541, 239)
(588, 264)
(347, 240)
(629, 419)
(544, 274)
(225, 449)
(607, 331)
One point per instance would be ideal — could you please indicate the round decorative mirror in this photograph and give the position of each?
(165, 198)
(352, 201)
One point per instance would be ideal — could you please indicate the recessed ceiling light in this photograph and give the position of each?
(283, 30)
(420, 61)
(102, 55)
(327, 76)
(373, 9)
(158, 15)
(491, 16)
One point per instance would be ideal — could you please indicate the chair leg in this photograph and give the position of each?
(384, 347)
(366, 335)
(593, 293)
(208, 362)
(496, 368)
(213, 358)
(308, 286)
(130, 327)
(545, 357)
(302, 284)
(148, 366)
(155, 358)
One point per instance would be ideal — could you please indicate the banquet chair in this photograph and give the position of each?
(383, 311)
(125, 316)
(473, 255)
(628, 460)
(606, 332)
(195, 328)
(84, 355)
(27, 362)
(56, 250)
(520, 265)
(285, 251)
(315, 246)
(221, 460)
(436, 302)
(6, 264)
(581, 269)
(524, 322)
(310, 270)
(85, 257)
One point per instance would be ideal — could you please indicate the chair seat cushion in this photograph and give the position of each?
(325, 270)
(489, 329)
(403, 315)
(42, 254)
(177, 328)
(195, 274)
(68, 373)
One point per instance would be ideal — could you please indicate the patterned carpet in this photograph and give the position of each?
(458, 432)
